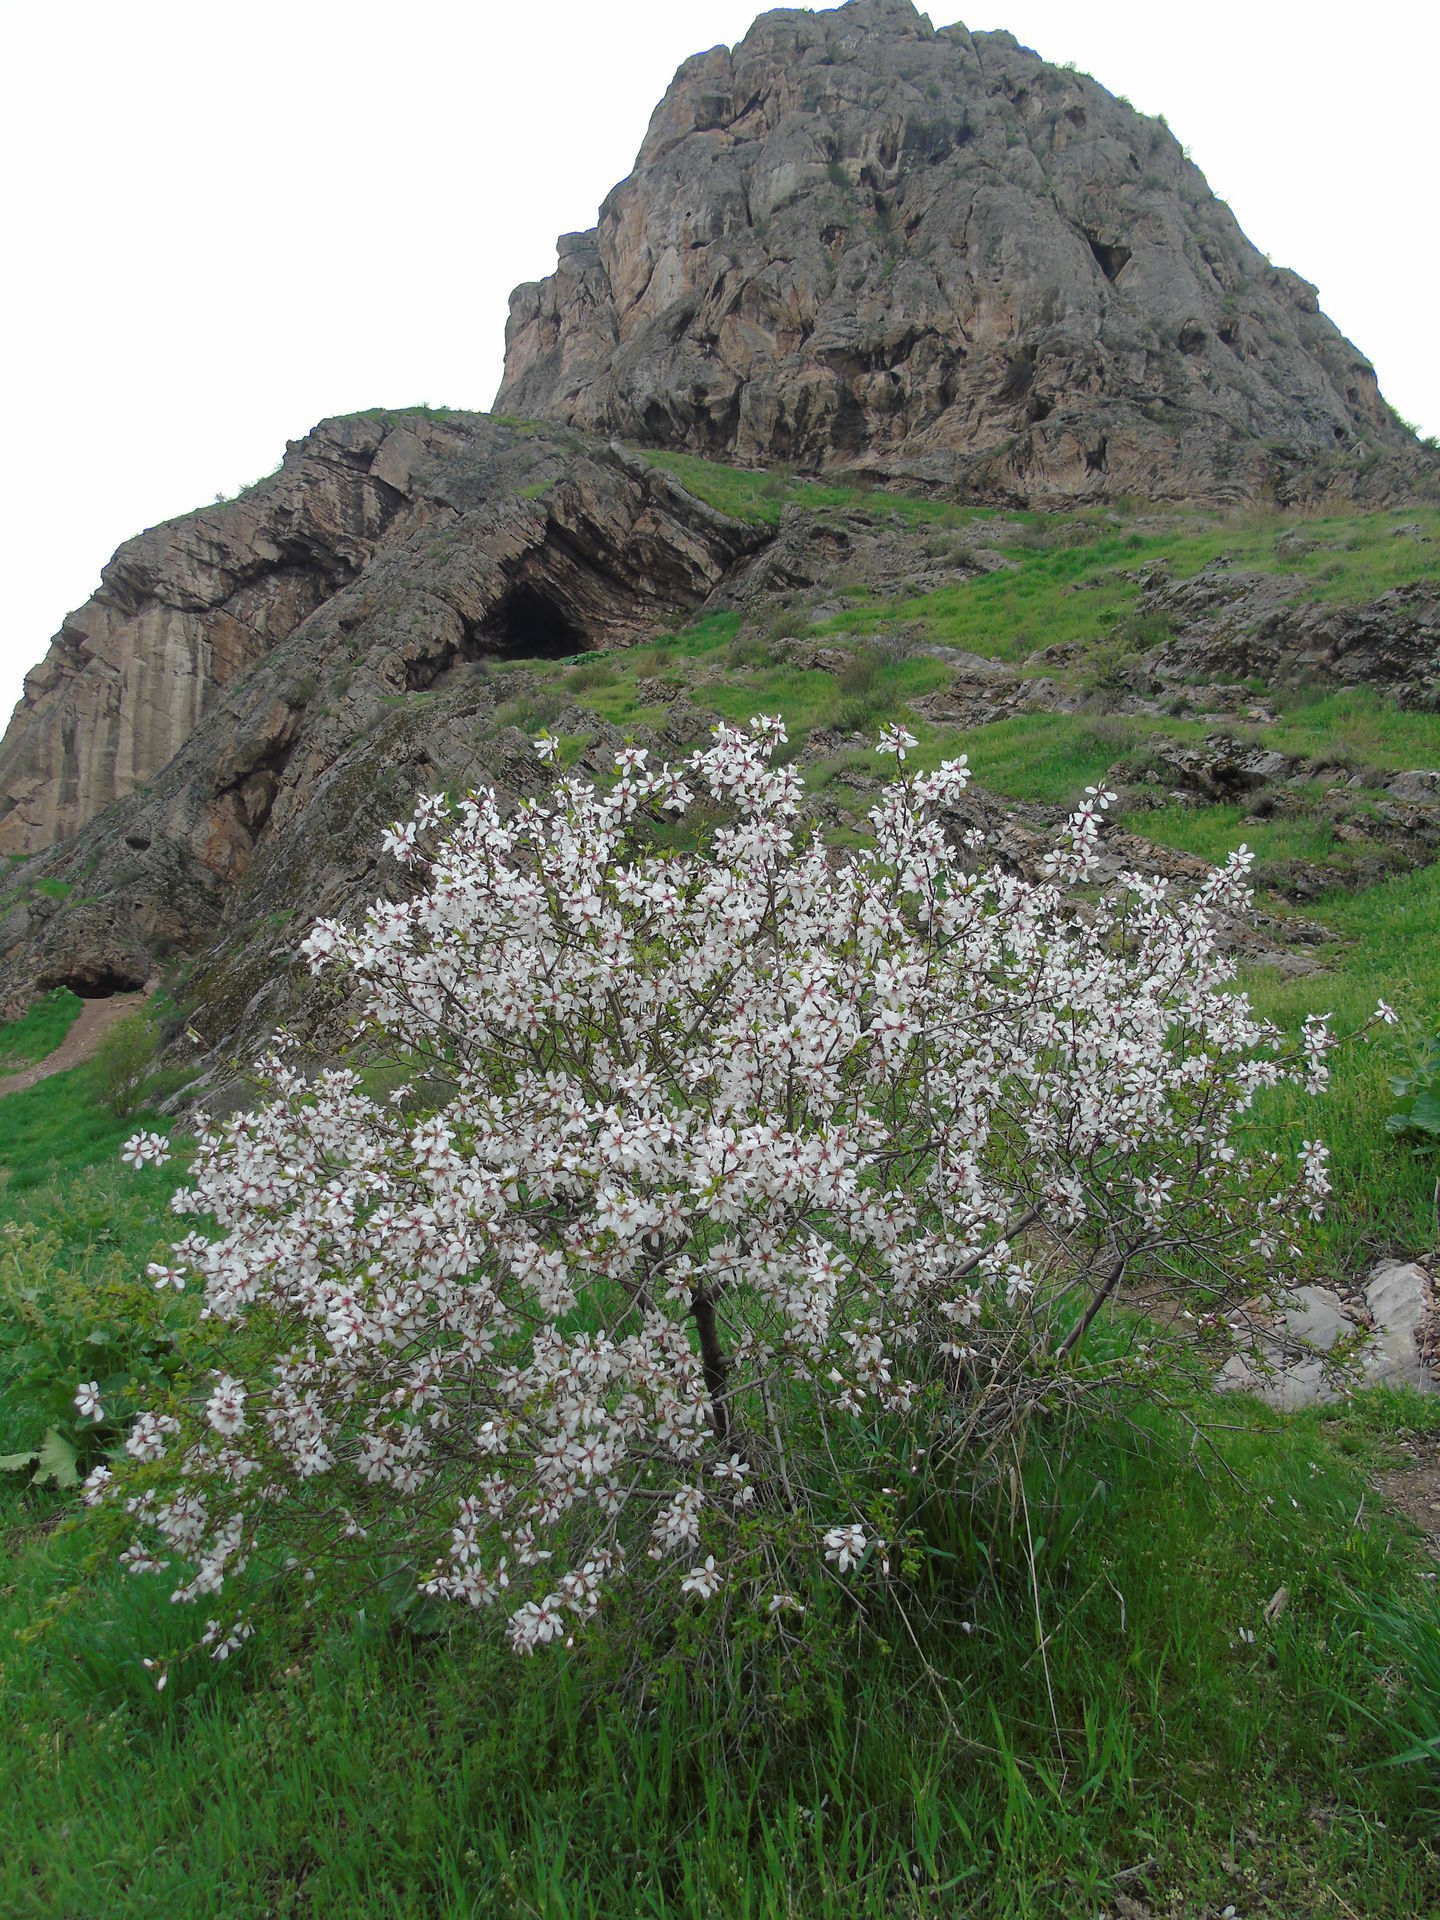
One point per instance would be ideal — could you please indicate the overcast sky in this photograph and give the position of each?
(222, 222)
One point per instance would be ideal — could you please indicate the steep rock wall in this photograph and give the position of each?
(855, 241)
(513, 544)
(184, 609)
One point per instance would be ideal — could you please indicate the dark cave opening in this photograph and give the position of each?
(529, 625)
(1112, 259)
(95, 980)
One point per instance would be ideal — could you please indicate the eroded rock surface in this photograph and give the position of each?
(183, 610)
(856, 241)
(473, 564)
(1240, 625)
(509, 543)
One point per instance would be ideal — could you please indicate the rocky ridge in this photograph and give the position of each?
(854, 241)
(431, 670)
(182, 611)
(188, 609)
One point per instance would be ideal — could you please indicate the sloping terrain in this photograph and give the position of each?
(438, 516)
(515, 540)
(1210, 1586)
(1015, 440)
(1262, 678)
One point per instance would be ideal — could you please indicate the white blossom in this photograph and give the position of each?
(145, 1149)
(844, 1546)
(703, 1581)
(741, 1157)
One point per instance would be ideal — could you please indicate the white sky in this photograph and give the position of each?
(224, 221)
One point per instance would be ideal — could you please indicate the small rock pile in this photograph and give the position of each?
(1326, 1344)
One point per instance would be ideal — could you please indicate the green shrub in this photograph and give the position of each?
(530, 712)
(62, 1322)
(753, 649)
(122, 1062)
(859, 674)
(592, 673)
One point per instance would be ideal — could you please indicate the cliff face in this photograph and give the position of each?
(182, 611)
(487, 542)
(851, 243)
(855, 241)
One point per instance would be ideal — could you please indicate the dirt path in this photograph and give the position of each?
(92, 1023)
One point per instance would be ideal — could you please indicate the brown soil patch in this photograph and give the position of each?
(1414, 1488)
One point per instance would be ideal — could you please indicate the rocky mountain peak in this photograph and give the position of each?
(854, 241)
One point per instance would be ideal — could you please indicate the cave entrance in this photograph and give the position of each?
(1111, 258)
(94, 980)
(529, 625)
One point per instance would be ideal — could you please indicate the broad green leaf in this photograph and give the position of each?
(17, 1462)
(57, 1460)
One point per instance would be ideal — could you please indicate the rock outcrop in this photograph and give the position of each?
(1254, 626)
(853, 243)
(182, 611)
(474, 567)
(498, 543)
(858, 242)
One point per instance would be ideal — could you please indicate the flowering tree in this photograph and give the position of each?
(720, 1180)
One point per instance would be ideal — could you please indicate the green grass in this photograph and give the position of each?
(1047, 757)
(342, 1767)
(39, 1031)
(1356, 728)
(1385, 946)
(810, 698)
(57, 1127)
(762, 495)
(1213, 832)
(737, 678)
(1064, 590)
(359, 1770)
(1134, 1743)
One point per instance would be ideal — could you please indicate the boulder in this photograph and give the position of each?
(1398, 1296)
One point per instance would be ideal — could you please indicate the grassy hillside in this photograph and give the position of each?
(381, 1767)
(1062, 610)
(1093, 1714)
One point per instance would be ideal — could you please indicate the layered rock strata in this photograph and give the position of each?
(471, 566)
(505, 543)
(182, 611)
